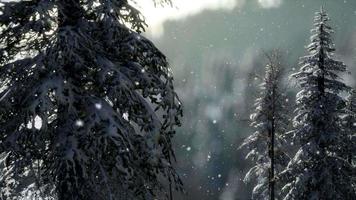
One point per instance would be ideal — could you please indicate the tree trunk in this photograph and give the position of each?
(351, 129)
(321, 63)
(271, 154)
(69, 13)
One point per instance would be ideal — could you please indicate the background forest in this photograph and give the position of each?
(217, 58)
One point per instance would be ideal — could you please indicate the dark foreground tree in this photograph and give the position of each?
(270, 122)
(319, 169)
(87, 105)
(350, 125)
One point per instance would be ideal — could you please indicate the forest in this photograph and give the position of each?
(177, 100)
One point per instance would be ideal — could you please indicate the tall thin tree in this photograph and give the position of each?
(319, 169)
(87, 104)
(270, 122)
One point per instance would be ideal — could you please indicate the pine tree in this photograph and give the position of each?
(319, 169)
(87, 104)
(350, 125)
(270, 122)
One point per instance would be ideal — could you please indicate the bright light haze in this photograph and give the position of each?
(181, 9)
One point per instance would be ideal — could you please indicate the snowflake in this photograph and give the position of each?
(79, 123)
(98, 106)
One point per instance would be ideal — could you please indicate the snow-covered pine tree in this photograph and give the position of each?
(87, 104)
(270, 122)
(319, 169)
(350, 125)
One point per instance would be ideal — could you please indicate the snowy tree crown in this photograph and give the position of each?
(87, 103)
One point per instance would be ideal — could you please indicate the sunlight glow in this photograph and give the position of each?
(181, 9)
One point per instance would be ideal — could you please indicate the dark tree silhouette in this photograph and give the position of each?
(350, 125)
(87, 104)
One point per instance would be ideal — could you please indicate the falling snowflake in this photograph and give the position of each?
(208, 157)
(98, 106)
(79, 123)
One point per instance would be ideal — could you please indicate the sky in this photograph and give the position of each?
(156, 16)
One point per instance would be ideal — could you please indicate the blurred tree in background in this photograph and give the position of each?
(270, 121)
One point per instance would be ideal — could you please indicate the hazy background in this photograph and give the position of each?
(215, 50)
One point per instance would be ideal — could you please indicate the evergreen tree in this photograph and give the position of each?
(319, 169)
(270, 122)
(87, 104)
(350, 124)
